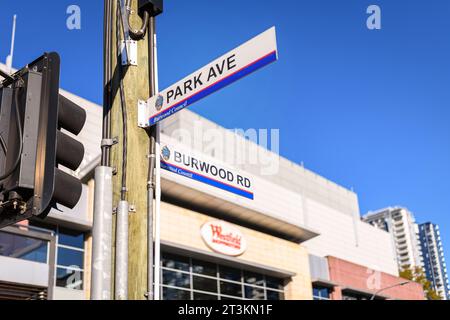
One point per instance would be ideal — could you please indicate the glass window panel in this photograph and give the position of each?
(70, 279)
(70, 258)
(274, 283)
(316, 292)
(275, 295)
(175, 262)
(174, 294)
(204, 284)
(254, 293)
(204, 268)
(254, 278)
(321, 292)
(231, 289)
(176, 279)
(325, 293)
(232, 274)
(228, 298)
(71, 238)
(202, 296)
(20, 247)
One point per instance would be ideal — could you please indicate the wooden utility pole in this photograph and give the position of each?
(136, 87)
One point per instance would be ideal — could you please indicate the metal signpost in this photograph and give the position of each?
(231, 67)
(120, 240)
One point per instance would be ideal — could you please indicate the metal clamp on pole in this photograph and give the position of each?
(143, 114)
(128, 47)
(108, 143)
(151, 184)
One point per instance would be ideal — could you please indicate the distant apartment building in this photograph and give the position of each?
(400, 223)
(433, 257)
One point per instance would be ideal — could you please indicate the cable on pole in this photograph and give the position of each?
(123, 191)
(140, 33)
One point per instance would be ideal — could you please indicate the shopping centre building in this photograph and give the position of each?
(233, 227)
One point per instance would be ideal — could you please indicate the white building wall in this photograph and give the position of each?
(339, 237)
(291, 176)
(270, 199)
(314, 202)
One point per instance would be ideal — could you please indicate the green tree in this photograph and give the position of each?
(418, 275)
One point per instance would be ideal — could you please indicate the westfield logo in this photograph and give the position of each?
(228, 239)
(224, 238)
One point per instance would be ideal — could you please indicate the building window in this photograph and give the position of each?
(70, 259)
(184, 278)
(69, 256)
(358, 296)
(321, 293)
(24, 248)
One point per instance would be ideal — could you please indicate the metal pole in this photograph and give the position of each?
(121, 270)
(158, 219)
(158, 189)
(9, 59)
(150, 227)
(107, 101)
(102, 235)
(387, 288)
(153, 157)
(103, 224)
(151, 174)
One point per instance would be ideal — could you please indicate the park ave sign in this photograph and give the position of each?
(224, 238)
(231, 67)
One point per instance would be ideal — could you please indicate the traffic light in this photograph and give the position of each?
(33, 144)
(154, 7)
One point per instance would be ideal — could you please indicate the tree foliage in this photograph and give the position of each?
(418, 275)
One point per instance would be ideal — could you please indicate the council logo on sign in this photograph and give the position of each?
(159, 102)
(165, 152)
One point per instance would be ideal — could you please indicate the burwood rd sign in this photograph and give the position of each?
(231, 67)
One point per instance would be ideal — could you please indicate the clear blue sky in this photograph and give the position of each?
(366, 109)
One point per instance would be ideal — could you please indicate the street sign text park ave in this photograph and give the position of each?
(233, 66)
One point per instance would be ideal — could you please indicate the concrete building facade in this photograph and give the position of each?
(355, 282)
(404, 232)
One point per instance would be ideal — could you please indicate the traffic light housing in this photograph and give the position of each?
(33, 117)
(154, 7)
